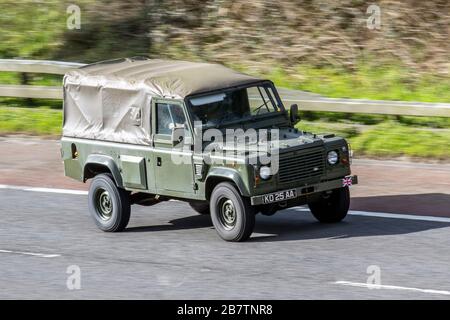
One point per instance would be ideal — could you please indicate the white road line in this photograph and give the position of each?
(399, 216)
(45, 190)
(303, 209)
(42, 255)
(389, 215)
(389, 287)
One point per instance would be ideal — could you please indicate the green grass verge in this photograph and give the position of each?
(394, 140)
(31, 79)
(387, 82)
(31, 121)
(371, 119)
(387, 139)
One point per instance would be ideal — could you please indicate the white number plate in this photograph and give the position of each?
(279, 196)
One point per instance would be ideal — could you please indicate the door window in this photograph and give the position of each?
(168, 116)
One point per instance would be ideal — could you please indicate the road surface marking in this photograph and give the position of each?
(42, 255)
(398, 216)
(45, 190)
(389, 287)
(389, 215)
(303, 209)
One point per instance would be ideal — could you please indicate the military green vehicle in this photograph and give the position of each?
(140, 130)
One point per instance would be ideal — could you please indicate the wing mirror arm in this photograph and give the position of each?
(177, 134)
(293, 114)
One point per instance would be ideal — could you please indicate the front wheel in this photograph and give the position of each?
(332, 207)
(109, 205)
(232, 215)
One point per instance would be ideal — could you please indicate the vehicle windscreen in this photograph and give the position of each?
(234, 105)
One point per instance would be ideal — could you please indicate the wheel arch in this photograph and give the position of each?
(97, 163)
(218, 175)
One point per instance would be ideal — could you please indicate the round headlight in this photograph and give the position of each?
(264, 172)
(332, 157)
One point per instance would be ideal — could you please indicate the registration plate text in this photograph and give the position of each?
(279, 196)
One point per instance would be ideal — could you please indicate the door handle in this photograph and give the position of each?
(158, 161)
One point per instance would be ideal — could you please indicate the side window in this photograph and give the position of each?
(168, 116)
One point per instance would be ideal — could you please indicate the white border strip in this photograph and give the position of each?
(41, 255)
(389, 215)
(45, 190)
(399, 216)
(302, 209)
(389, 287)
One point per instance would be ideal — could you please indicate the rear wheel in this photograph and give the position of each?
(109, 205)
(202, 207)
(232, 215)
(333, 207)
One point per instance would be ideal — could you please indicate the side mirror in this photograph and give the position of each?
(177, 134)
(293, 114)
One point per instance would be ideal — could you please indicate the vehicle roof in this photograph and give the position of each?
(166, 78)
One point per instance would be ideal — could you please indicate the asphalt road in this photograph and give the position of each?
(170, 252)
(399, 229)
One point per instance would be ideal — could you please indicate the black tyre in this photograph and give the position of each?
(332, 207)
(232, 215)
(202, 207)
(109, 205)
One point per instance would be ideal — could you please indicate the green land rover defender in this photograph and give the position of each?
(146, 131)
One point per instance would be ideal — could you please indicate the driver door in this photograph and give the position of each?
(173, 165)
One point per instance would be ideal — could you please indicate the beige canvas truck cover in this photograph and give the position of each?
(111, 100)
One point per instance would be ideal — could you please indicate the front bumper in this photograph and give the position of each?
(313, 188)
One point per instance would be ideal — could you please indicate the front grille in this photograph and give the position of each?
(301, 165)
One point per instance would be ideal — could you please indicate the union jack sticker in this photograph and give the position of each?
(347, 182)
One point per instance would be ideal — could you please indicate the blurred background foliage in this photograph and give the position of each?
(319, 46)
(315, 45)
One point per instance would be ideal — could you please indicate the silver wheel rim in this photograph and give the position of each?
(227, 214)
